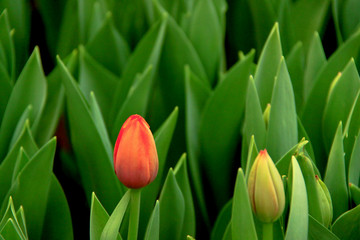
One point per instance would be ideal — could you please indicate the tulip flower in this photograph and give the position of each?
(325, 202)
(135, 156)
(266, 189)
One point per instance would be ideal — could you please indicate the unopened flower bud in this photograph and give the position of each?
(135, 156)
(325, 202)
(266, 190)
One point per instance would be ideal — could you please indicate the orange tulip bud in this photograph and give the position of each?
(135, 156)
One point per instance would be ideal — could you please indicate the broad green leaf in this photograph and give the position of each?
(57, 223)
(146, 53)
(112, 226)
(152, 230)
(182, 178)
(297, 227)
(295, 61)
(242, 222)
(222, 221)
(20, 215)
(30, 88)
(335, 175)
(303, 134)
(26, 141)
(96, 18)
(205, 38)
(263, 16)
(137, 99)
(37, 172)
(268, 63)
(54, 102)
(318, 232)
(355, 193)
(10, 214)
(95, 167)
(347, 226)
(221, 119)
(9, 231)
(109, 48)
(354, 164)
(338, 107)
(98, 218)
(282, 130)
(5, 91)
(308, 16)
(228, 232)
(315, 60)
(312, 113)
(94, 77)
(172, 209)
(254, 121)
(196, 94)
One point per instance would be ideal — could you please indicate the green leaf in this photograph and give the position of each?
(21, 160)
(252, 154)
(7, 167)
(196, 94)
(5, 91)
(295, 61)
(303, 134)
(307, 17)
(350, 18)
(98, 218)
(37, 172)
(25, 116)
(137, 99)
(57, 223)
(228, 232)
(335, 175)
(352, 127)
(347, 226)
(172, 209)
(54, 102)
(263, 16)
(146, 53)
(315, 60)
(204, 38)
(109, 48)
(95, 167)
(254, 122)
(11, 215)
(312, 113)
(30, 88)
(152, 230)
(9, 231)
(163, 137)
(297, 227)
(268, 63)
(111, 229)
(7, 44)
(94, 77)
(182, 178)
(338, 107)
(242, 221)
(354, 164)
(222, 221)
(221, 119)
(355, 193)
(20, 215)
(318, 232)
(282, 130)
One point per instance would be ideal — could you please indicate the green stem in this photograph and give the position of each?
(267, 231)
(134, 213)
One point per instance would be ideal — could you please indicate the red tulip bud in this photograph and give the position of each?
(135, 156)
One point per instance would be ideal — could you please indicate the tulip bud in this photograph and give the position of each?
(325, 202)
(135, 156)
(266, 190)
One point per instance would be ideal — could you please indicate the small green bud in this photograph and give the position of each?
(325, 202)
(266, 190)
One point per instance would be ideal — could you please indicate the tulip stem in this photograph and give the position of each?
(134, 213)
(267, 231)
